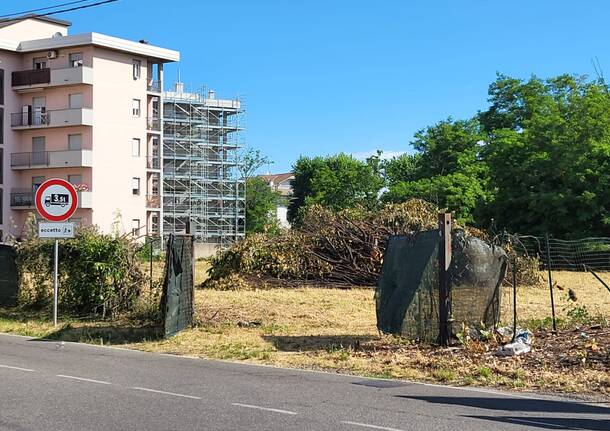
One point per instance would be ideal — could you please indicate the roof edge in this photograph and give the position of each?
(10, 21)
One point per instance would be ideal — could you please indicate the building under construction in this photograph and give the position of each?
(202, 190)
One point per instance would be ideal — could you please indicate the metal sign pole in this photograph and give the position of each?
(444, 290)
(56, 290)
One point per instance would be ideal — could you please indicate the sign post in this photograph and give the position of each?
(56, 201)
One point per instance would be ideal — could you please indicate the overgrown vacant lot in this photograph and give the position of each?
(335, 329)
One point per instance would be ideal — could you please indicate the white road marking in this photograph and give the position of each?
(250, 406)
(82, 379)
(166, 393)
(377, 427)
(17, 368)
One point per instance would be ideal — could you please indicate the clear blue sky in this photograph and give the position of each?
(321, 77)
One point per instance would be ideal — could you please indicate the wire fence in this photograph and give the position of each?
(589, 258)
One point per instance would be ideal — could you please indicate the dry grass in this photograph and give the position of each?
(335, 329)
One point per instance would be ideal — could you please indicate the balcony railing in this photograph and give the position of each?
(153, 123)
(51, 159)
(24, 198)
(153, 86)
(31, 77)
(153, 162)
(153, 201)
(55, 118)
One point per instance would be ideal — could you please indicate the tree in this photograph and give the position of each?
(249, 161)
(548, 149)
(447, 169)
(261, 204)
(337, 182)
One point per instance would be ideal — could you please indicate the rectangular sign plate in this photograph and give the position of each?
(55, 230)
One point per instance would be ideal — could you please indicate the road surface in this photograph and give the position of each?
(49, 385)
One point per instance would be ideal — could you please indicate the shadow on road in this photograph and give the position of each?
(553, 423)
(317, 342)
(108, 334)
(528, 405)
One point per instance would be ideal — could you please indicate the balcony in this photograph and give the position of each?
(52, 159)
(26, 80)
(56, 118)
(153, 162)
(153, 86)
(153, 201)
(24, 199)
(153, 123)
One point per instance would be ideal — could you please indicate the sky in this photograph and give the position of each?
(322, 77)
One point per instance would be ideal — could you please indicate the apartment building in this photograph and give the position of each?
(86, 108)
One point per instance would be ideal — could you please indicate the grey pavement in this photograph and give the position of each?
(50, 385)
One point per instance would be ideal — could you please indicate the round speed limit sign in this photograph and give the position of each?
(56, 200)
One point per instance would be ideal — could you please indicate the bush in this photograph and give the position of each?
(96, 272)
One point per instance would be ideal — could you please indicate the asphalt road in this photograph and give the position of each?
(49, 386)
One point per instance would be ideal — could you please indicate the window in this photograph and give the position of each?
(137, 69)
(135, 185)
(39, 154)
(75, 100)
(1, 212)
(40, 63)
(75, 142)
(75, 180)
(135, 107)
(1, 86)
(37, 182)
(135, 227)
(1, 125)
(76, 59)
(1, 167)
(135, 147)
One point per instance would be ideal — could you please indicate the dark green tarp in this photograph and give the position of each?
(9, 285)
(407, 295)
(178, 289)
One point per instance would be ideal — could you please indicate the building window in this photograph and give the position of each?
(1, 86)
(1, 167)
(135, 185)
(76, 59)
(75, 180)
(137, 69)
(1, 125)
(39, 150)
(135, 107)
(135, 147)
(135, 227)
(39, 63)
(37, 182)
(75, 101)
(1, 211)
(75, 142)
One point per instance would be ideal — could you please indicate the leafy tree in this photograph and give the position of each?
(251, 160)
(337, 182)
(261, 204)
(446, 171)
(548, 149)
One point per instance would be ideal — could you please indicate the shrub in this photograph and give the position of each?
(96, 272)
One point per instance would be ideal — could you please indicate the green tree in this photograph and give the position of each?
(337, 182)
(447, 169)
(548, 149)
(261, 204)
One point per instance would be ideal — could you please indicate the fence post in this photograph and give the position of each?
(548, 265)
(514, 298)
(152, 240)
(444, 288)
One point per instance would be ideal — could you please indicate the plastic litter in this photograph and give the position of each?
(521, 345)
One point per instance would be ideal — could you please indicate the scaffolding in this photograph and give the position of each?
(202, 190)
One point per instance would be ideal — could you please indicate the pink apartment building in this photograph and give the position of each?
(86, 108)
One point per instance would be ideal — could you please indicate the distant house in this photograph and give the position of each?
(281, 183)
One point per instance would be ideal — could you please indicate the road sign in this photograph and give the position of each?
(56, 200)
(55, 230)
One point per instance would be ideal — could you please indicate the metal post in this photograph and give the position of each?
(56, 289)
(514, 299)
(444, 291)
(151, 263)
(548, 264)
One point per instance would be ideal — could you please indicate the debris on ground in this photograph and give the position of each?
(521, 345)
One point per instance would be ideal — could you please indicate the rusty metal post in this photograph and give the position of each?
(444, 288)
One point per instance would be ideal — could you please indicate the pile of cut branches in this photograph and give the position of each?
(345, 247)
